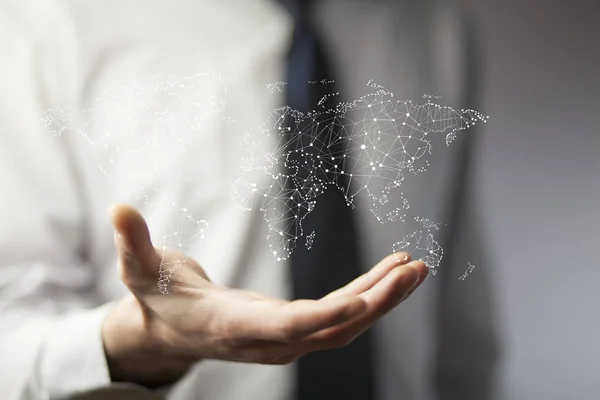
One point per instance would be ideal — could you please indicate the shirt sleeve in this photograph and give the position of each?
(51, 356)
(50, 318)
(73, 355)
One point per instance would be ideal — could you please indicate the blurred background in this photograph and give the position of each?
(540, 154)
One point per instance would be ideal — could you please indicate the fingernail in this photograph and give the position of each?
(417, 276)
(401, 257)
(417, 279)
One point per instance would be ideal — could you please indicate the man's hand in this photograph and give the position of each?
(152, 339)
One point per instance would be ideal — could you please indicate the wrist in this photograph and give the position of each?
(135, 352)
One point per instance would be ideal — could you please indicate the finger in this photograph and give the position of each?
(423, 273)
(367, 280)
(380, 299)
(267, 352)
(298, 319)
(132, 238)
(133, 230)
(392, 290)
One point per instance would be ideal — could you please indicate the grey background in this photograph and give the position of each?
(540, 154)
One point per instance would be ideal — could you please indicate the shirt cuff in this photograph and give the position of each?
(73, 358)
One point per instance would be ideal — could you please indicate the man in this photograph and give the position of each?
(58, 264)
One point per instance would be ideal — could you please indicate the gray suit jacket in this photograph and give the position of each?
(413, 48)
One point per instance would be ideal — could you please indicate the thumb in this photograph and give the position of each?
(137, 257)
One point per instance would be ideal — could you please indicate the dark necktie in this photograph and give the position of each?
(345, 373)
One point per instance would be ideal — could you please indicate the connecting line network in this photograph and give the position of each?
(370, 139)
(375, 138)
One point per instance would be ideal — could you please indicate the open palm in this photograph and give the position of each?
(199, 319)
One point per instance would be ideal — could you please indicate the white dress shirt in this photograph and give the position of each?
(58, 272)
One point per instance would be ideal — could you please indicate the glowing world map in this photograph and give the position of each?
(373, 139)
